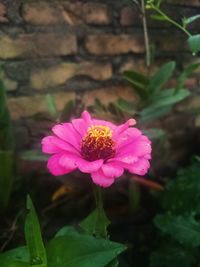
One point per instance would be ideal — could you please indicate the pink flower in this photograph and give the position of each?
(98, 147)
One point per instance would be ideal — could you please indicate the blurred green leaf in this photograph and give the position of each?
(51, 105)
(68, 111)
(184, 229)
(82, 250)
(125, 106)
(18, 257)
(153, 113)
(182, 194)
(34, 238)
(7, 175)
(113, 263)
(185, 74)
(96, 223)
(2, 98)
(34, 155)
(189, 20)
(154, 133)
(138, 81)
(158, 80)
(167, 98)
(171, 255)
(6, 134)
(194, 43)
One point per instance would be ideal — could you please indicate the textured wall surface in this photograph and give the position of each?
(78, 50)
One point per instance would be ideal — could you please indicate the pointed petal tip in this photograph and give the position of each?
(131, 122)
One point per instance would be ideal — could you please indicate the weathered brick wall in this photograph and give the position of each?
(80, 48)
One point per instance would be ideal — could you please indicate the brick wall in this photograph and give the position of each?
(78, 50)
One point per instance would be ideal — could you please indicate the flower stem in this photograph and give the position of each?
(167, 18)
(98, 198)
(102, 221)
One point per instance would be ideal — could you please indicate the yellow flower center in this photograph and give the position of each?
(97, 143)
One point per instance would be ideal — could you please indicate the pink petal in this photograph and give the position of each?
(54, 166)
(53, 144)
(112, 126)
(86, 117)
(112, 170)
(123, 127)
(90, 166)
(126, 159)
(147, 156)
(128, 137)
(100, 179)
(68, 161)
(140, 167)
(66, 132)
(80, 126)
(138, 148)
(71, 160)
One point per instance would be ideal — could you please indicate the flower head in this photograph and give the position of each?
(98, 147)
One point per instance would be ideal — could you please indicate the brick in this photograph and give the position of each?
(96, 71)
(49, 13)
(109, 44)
(42, 13)
(129, 16)
(27, 106)
(3, 13)
(59, 74)
(109, 94)
(9, 84)
(138, 66)
(53, 76)
(191, 103)
(170, 42)
(37, 45)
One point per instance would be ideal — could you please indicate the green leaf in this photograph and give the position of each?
(113, 263)
(34, 238)
(82, 250)
(6, 134)
(125, 106)
(184, 229)
(18, 257)
(96, 223)
(7, 176)
(185, 74)
(173, 256)
(194, 43)
(150, 114)
(191, 19)
(167, 98)
(138, 81)
(161, 77)
(2, 98)
(51, 105)
(154, 133)
(34, 155)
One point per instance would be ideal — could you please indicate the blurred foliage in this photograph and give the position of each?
(7, 151)
(158, 14)
(179, 226)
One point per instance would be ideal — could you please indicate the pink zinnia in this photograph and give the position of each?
(98, 147)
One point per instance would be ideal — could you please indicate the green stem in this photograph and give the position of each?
(98, 198)
(146, 36)
(170, 20)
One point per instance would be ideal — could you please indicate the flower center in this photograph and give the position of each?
(98, 143)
